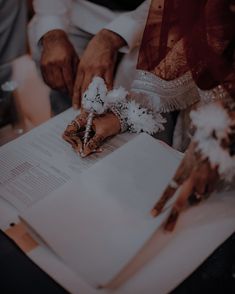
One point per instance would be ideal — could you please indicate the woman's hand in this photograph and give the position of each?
(103, 126)
(196, 180)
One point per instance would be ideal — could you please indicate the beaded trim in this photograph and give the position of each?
(166, 95)
(119, 110)
(218, 93)
(151, 78)
(134, 118)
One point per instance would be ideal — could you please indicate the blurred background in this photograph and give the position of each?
(24, 98)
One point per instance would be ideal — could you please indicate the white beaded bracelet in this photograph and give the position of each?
(132, 116)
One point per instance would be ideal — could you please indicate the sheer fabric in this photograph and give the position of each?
(191, 35)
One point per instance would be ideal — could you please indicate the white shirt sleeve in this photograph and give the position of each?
(51, 15)
(130, 25)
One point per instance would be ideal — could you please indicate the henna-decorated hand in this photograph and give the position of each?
(103, 126)
(195, 178)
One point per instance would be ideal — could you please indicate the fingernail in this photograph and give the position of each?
(154, 212)
(75, 106)
(100, 287)
(169, 227)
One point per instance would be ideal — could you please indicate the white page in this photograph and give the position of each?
(191, 235)
(100, 221)
(199, 231)
(40, 162)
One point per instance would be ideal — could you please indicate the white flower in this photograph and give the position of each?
(211, 118)
(116, 95)
(94, 99)
(141, 120)
(211, 149)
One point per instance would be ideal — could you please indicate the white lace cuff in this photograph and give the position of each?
(137, 119)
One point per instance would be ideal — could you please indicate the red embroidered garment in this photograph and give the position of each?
(195, 35)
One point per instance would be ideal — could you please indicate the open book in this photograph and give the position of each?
(40, 163)
(99, 221)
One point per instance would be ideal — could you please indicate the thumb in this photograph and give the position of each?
(108, 77)
(77, 90)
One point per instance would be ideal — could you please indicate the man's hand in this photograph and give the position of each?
(58, 61)
(99, 59)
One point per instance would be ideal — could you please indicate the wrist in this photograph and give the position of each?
(114, 40)
(54, 36)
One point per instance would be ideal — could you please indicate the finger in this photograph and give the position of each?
(47, 76)
(76, 125)
(43, 68)
(93, 145)
(75, 62)
(44, 74)
(72, 140)
(78, 142)
(180, 176)
(184, 170)
(86, 81)
(194, 199)
(74, 132)
(75, 140)
(68, 139)
(202, 175)
(88, 76)
(212, 181)
(185, 192)
(108, 77)
(55, 78)
(77, 90)
(201, 183)
(166, 196)
(67, 71)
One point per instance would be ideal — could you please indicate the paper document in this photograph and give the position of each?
(40, 162)
(98, 222)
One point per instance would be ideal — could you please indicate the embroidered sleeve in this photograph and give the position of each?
(174, 64)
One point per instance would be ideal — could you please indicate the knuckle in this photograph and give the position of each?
(199, 190)
(81, 66)
(90, 68)
(43, 67)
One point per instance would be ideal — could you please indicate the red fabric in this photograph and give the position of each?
(208, 30)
